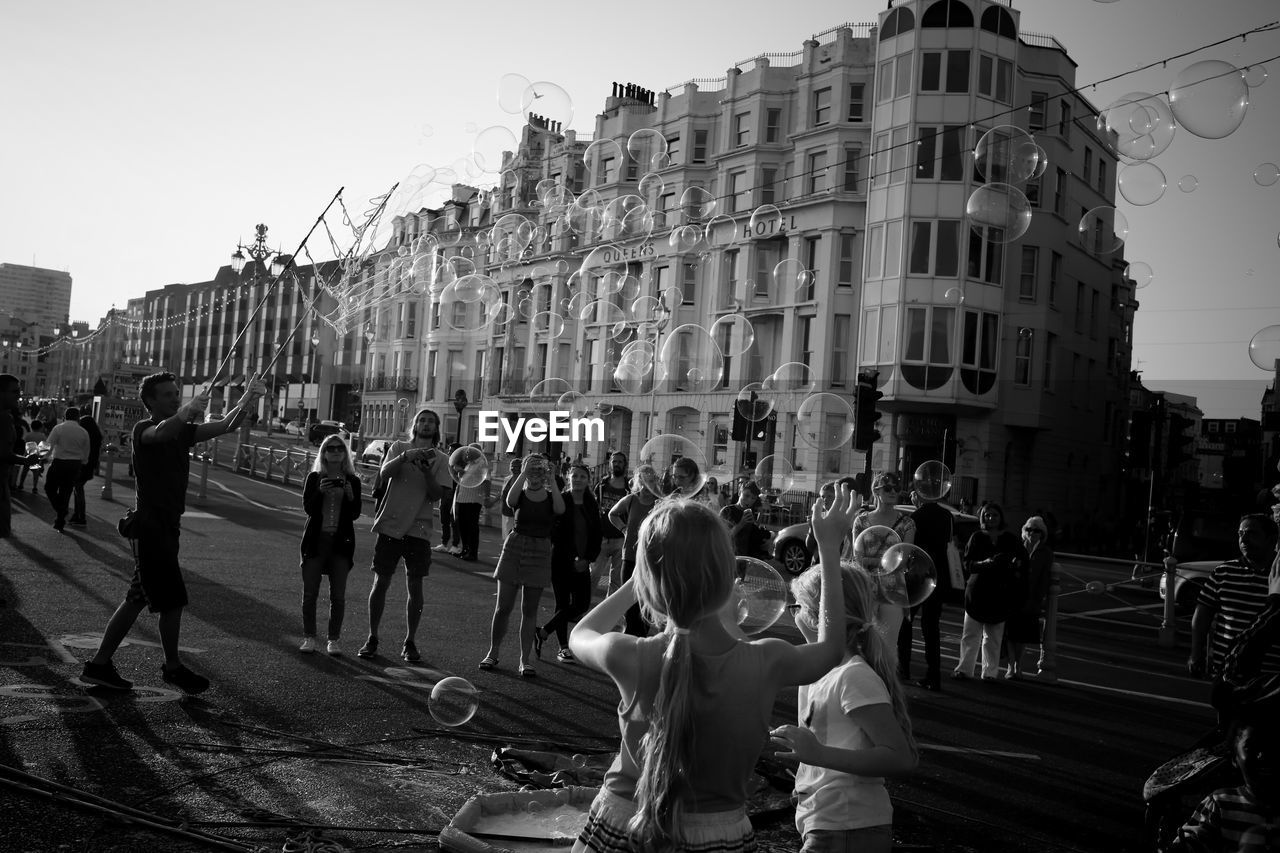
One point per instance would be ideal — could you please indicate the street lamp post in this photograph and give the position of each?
(259, 253)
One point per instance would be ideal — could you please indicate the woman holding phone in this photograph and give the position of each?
(331, 499)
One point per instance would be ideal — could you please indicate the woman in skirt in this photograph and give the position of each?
(525, 563)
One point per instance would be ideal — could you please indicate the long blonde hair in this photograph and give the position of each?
(684, 572)
(348, 466)
(861, 636)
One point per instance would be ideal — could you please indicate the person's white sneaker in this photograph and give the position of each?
(333, 648)
(441, 547)
(308, 645)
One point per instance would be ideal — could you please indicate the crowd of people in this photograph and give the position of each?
(696, 693)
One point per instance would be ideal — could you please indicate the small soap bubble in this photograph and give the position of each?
(907, 575)
(872, 544)
(1188, 183)
(1255, 76)
(825, 421)
(762, 595)
(932, 480)
(1000, 213)
(1141, 183)
(1266, 174)
(468, 466)
(1139, 272)
(454, 701)
(1103, 230)
(1264, 348)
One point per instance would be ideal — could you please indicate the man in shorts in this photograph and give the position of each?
(162, 463)
(414, 471)
(607, 569)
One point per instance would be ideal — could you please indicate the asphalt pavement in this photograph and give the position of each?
(283, 741)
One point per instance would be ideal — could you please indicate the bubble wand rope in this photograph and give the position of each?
(231, 350)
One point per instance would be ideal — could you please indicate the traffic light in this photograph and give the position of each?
(740, 425)
(867, 415)
(1138, 451)
(1181, 445)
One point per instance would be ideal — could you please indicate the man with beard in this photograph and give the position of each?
(609, 491)
(414, 471)
(1233, 597)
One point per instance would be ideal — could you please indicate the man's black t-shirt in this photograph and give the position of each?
(161, 470)
(606, 497)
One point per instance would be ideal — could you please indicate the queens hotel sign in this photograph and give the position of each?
(771, 227)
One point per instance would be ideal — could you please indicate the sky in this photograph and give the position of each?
(145, 138)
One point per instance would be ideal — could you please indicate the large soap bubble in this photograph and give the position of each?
(690, 360)
(490, 146)
(645, 144)
(761, 595)
(1140, 273)
(998, 212)
(752, 403)
(548, 100)
(1103, 230)
(871, 544)
(932, 480)
(1138, 126)
(454, 701)
(468, 466)
(697, 204)
(1141, 183)
(1007, 155)
(681, 465)
(775, 474)
(906, 575)
(1209, 98)
(825, 421)
(1264, 348)
(734, 334)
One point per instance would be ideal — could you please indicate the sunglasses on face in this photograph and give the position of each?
(335, 450)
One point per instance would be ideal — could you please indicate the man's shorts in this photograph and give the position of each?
(415, 552)
(157, 577)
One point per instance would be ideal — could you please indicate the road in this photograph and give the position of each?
(1009, 766)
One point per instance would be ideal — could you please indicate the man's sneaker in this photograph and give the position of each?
(456, 550)
(441, 547)
(104, 675)
(410, 652)
(308, 645)
(184, 679)
(333, 648)
(59, 523)
(369, 649)
(565, 656)
(78, 522)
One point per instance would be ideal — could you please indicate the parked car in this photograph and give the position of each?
(1189, 579)
(1199, 538)
(322, 429)
(790, 550)
(373, 451)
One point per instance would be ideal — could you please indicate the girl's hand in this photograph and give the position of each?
(831, 525)
(795, 745)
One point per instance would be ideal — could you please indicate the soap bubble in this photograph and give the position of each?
(906, 575)
(752, 403)
(825, 421)
(454, 701)
(1255, 76)
(690, 360)
(1138, 126)
(488, 147)
(468, 466)
(954, 296)
(766, 219)
(575, 403)
(1103, 230)
(734, 334)
(1266, 174)
(671, 455)
(697, 204)
(644, 145)
(761, 595)
(1264, 348)
(932, 480)
(793, 377)
(1188, 183)
(788, 276)
(553, 388)
(775, 474)
(1007, 155)
(1139, 272)
(402, 405)
(547, 99)
(511, 89)
(1141, 183)
(871, 545)
(547, 324)
(650, 185)
(1209, 98)
(628, 378)
(595, 157)
(1000, 213)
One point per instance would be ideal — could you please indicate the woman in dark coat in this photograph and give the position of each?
(993, 561)
(89, 470)
(331, 499)
(575, 544)
(1025, 625)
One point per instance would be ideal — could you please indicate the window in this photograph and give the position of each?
(773, 125)
(817, 169)
(812, 249)
(1022, 359)
(928, 335)
(768, 255)
(893, 248)
(768, 177)
(1080, 306)
(673, 149)
(822, 106)
(935, 248)
(898, 155)
(1032, 192)
(950, 165)
(700, 146)
(1064, 121)
(894, 78)
(898, 21)
(985, 255)
(944, 71)
(738, 199)
(845, 276)
(998, 21)
(851, 158)
(879, 339)
(1060, 193)
(995, 78)
(742, 129)
(880, 160)
(981, 340)
(689, 283)
(875, 252)
(1087, 173)
(805, 342)
(884, 84)
(1055, 273)
(432, 365)
(840, 349)
(902, 76)
(1093, 314)
(947, 13)
(1036, 112)
(1102, 176)
(732, 258)
(1030, 267)
(856, 101)
(666, 203)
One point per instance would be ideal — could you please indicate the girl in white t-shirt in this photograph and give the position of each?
(854, 729)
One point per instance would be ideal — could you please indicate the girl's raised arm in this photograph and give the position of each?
(595, 643)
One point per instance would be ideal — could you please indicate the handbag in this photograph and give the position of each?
(129, 523)
(955, 566)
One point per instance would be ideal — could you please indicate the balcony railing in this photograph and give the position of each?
(393, 382)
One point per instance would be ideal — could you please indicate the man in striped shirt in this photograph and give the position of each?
(1232, 598)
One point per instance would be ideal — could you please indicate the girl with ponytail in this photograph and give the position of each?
(695, 699)
(854, 729)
